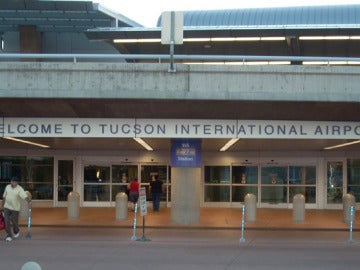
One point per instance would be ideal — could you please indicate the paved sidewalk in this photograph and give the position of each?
(210, 218)
(94, 248)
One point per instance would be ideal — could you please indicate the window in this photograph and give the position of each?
(96, 183)
(244, 181)
(334, 182)
(353, 174)
(36, 175)
(217, 184)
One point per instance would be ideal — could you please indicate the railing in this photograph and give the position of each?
(321, 60)
(186, 59)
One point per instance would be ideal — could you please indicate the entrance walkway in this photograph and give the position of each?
(210, 218)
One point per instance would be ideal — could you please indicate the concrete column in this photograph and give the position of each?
(30, 40)
(185, 195)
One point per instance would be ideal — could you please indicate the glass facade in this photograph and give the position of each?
(163, 174)
(103, 183)
(36, 175)
(274, 185)
(353, 178)
(334, 182)
(65, 179)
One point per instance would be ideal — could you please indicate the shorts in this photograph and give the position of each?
(133, 197)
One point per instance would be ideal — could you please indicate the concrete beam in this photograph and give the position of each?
(153, 81)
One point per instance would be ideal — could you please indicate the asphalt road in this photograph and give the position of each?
(109, 248)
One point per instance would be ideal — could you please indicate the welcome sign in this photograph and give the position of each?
(176, 128)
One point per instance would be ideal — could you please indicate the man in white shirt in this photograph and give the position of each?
(11, 204)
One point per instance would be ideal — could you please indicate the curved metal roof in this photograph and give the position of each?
(307, 15)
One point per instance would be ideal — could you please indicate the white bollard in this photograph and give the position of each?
(31, 266)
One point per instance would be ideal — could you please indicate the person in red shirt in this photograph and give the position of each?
(133, 188)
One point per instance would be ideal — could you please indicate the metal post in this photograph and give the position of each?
(172, 42)
(133, 237)
(242, 239)
(351, 224)
(143, 237)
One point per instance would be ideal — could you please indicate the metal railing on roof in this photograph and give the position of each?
(180, 57)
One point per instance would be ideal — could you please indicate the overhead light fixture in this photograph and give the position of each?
(197, 39)
(342, 145)
(137, 40)
(272, 38)
(327, 37)
(26, 142)
(330, 63)
(143, 144)
(200, 39)
(228, 144)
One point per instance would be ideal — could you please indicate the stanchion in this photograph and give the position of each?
(133, 237)
(351, 224)
(143, 237)
(242, 239)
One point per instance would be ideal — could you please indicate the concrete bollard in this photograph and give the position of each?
(250, 207)
(31, 266)
(24, 209)
(121, 206)
(348, 201)
(299, 208)
(73, 205)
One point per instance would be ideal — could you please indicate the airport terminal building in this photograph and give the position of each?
(261, 101)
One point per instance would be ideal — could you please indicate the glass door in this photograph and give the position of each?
(335, 177)
(274, 185)
(65, 180)
(162, 172)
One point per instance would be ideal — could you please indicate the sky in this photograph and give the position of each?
(146, 12)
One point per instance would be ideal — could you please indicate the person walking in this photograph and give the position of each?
(156, 189)
(11, 204)
(133, 188)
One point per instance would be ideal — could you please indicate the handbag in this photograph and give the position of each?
(2, 222)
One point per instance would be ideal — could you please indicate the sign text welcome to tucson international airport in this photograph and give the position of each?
(176, 128)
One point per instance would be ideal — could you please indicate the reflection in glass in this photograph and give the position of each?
(96, 183)
(217, 174)
(97, 193)
(245, 174)
(217, 193)
(65, 179)
(239, 192)
(353, 174)
(36, 175)
(302, 175)
(334, 182)
(274, 175)
(274, 194)
(308, 192)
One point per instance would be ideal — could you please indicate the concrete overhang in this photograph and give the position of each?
(114, 91)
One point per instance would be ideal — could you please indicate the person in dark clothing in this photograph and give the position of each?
(156, 189)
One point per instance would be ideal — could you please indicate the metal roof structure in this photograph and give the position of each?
(57, 16)
(306, 16)
(289, 23)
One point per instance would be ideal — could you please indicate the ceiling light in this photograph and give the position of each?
(341, 145)
(324, 37)
(26, 142)
(138, 40)
(196, 39)
(272, 38)
(143, 144)
(247, 38)
(223, 39)
(228, 144)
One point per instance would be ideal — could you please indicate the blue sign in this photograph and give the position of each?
(185, 153)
